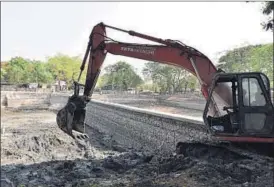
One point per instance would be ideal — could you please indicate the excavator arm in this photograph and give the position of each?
(170, 52)
(167, 52)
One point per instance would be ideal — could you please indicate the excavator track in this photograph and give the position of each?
(263, 149)
(225, 149)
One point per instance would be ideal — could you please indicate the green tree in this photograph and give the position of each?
(249, 58)
(268, 10)
(121, 75)
(102, 81)
(169, 78)
(66, 68)
(3, 73)
(18, 70)
(149, 86)
(41, 73)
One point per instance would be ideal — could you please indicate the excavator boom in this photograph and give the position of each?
(170, 52)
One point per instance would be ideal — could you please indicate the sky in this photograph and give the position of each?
(36, 30)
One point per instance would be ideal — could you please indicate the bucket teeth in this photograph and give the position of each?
(82, 136)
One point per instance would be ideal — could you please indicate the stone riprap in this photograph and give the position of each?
(142, 129)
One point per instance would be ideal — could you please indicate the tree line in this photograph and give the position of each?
(122, 76)
(155, 77)
(119, 76)
(19, 70)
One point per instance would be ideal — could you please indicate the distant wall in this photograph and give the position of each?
(20, 99)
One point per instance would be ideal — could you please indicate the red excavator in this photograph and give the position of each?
(238, 107)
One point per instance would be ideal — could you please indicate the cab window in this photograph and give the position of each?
(252, 93)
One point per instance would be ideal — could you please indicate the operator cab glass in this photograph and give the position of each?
(248, 110)
(253, 97)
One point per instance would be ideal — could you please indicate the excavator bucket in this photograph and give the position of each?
(72, 117)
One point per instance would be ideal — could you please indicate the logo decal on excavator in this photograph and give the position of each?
(138, 49)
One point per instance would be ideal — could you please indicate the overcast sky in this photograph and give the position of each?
(39, 29)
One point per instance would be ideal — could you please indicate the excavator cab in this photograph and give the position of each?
(250, 115)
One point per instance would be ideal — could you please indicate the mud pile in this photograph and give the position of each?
(28, 141)
(42, 147)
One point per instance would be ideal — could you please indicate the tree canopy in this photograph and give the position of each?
(66, 68)
(3, 73)
(268, 10)
(58, 67)
(169, 78)
(249, 58)
(20, 70)
(120, 75)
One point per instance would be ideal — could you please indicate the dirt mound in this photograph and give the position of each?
(32, 137)
(42, 147)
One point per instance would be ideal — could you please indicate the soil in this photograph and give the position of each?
(34, 152)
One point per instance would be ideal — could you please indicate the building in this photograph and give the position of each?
(60, 86)
(33, 85)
